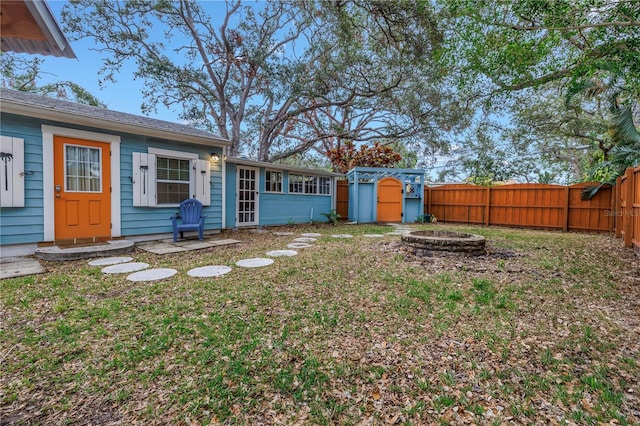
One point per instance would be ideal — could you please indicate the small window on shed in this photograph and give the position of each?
(324, 185)
(296, 184)
(273, 181)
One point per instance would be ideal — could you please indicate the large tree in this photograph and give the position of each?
(261, 75)
(511, 55)
(25, 75)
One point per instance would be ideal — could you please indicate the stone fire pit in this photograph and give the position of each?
(426, 243)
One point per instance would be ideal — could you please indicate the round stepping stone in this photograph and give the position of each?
(283, 234)
(373, 235)
(278, 253)
(110, 261)
(152, 274)
(209, 271)
(342, 236)
(255, 262)
(122, 268)
(305, 240)
(299, 245)
(311, 234)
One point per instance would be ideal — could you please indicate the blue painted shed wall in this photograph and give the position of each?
(412, 209)
(366, 203)
(278, 208)
(26, 224)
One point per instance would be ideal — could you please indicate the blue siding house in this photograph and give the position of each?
(263, 194)
(76, 172)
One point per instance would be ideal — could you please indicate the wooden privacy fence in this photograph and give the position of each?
(535, 206)
(520, 205)
(342, 198)
(627, 208)
(523, 205)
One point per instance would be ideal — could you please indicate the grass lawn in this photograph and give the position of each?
(544, 329)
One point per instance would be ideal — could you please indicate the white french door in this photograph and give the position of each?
(247, 197)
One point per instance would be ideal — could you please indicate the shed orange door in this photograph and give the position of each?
(82, 188)
(389, 200)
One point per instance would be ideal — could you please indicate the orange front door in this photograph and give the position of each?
(389, 200)
(82, 188)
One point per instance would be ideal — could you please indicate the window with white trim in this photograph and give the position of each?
(296, 184)
(324, 185)
(173, 180)
(308, 184)
(273, 181)
(166, 178)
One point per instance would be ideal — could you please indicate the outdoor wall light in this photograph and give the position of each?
(214, 157)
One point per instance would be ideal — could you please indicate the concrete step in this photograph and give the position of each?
(110, 248)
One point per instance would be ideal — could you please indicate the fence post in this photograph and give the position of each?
(627, 212)
(487, 209)
(617, 207)
(565, 227)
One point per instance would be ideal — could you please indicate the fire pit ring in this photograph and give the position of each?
(429, 242)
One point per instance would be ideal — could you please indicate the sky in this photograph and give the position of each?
(124, 96)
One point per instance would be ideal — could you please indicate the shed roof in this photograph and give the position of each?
(276, 166)
(32, 105)
(28, 26)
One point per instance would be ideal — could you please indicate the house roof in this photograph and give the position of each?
(32, 105)
(28, 26)
(275, 166)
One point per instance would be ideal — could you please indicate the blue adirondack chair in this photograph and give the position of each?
(192, 219)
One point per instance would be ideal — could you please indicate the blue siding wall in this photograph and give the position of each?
(412, 209)
(366, 203)
(278, 208)
(281, 209)
(25, 224)
(155, 220)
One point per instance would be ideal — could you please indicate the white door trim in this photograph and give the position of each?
(256, 199)
(48, 132)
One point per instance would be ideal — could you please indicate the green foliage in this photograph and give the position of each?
(23, 74)
(332, 217)
(516, 56)
(426, 218)
(288, 76)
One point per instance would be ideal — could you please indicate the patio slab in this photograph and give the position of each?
(278, 253)
(209, 271)
(107, 261)
(123, 268)
(256, 262)
(12, 267)
(168, 246)
(152, 274)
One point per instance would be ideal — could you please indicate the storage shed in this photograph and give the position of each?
(385, 194)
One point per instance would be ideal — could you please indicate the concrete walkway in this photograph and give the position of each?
(12, 267)
(21, 266)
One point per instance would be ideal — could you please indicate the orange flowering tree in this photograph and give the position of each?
(346, 156)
